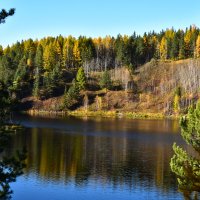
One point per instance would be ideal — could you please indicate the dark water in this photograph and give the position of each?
(104, 159)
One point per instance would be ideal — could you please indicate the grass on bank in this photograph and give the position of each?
(105, 114)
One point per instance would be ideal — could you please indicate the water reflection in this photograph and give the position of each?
(119, 153)
(11, 166)
(100, 125)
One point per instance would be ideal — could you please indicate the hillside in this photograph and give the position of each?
(152, 88)
(159, 83)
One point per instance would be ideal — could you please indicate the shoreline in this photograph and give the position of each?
(103, 114)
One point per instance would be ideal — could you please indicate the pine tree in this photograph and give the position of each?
(4, 104)
(4, 14)
(38, 70)
(11, 167)
(21, 80)
(39, 57)
(181, 49)
(36, 84)
(105, 81)
(174, 51)
(81, 79)
(72, 95)
(185, 166)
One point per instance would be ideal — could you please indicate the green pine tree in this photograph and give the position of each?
(81, 79)
(36, 84)
(72, 95)
(4, 14)
(10, 168)
(39, 65)
(105, 81)
(184, 165)
(4, 104)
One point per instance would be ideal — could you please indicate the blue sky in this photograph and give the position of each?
(40, 18)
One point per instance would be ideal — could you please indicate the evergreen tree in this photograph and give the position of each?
(38, 70)
(10, 168)
(72, 95)
(185, 166)
(4, 14)
(81, 79)
(36, 84)
(49, 84)
(46, 90)
(21, 82)
(105, 81)
(181, 53)
(7, 70)
(174, 50)
(39, 57)
(4, 104)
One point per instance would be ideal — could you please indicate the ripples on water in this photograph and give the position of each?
(96, 159)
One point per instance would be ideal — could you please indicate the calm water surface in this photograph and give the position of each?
(86, 159)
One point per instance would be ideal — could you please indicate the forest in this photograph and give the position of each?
(47, 67)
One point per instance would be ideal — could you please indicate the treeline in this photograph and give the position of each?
(43, 67)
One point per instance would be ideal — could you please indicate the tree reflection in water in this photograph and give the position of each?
(10, 167)
(129, 161)
(118, 155)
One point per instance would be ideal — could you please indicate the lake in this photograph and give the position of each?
(108, 159)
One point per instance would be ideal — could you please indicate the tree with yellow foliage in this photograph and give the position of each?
(187, 43)
(163, 49)
(49, 57)
(198, 47)
(67, 54)
(76, 53)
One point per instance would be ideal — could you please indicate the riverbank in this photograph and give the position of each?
(103, 114)
(113, 104)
